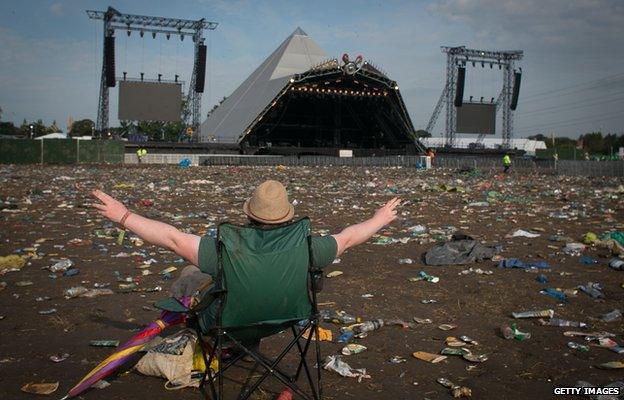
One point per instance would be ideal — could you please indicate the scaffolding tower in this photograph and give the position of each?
(114, 20)
(461, 56)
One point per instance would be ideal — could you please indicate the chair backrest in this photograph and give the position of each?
(264, 273)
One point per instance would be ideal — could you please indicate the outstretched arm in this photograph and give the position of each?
(183, 244)
(358, 234)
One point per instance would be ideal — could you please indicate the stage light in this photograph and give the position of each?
(396, 87)
(292, 80)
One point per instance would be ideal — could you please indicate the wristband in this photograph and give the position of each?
(123, 219)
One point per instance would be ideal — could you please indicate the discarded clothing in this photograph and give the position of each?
(516, 263)
(458, 252)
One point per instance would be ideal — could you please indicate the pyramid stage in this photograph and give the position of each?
(299, 101)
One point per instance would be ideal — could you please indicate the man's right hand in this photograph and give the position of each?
(357, 234)
(387, 213)
(111, 209)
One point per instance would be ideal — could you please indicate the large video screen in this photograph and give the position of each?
(476, 118)
(147, 101)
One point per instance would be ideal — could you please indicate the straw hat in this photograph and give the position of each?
(269, 204)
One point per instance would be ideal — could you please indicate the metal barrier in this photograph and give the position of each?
(486, 164)
(161, 158)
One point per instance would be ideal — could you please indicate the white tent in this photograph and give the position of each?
(57, 135)
(528, 145)
(228, 122)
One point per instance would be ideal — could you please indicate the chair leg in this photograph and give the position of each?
(302, 354)
(271, 369)
(220, 352)
(208, 371)
(318, 363)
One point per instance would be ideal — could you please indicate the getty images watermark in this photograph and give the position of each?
(585, 391)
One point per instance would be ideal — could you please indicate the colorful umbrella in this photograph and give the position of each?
(128, 349)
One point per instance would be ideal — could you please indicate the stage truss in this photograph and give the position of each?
(461, 56)
(114, 20)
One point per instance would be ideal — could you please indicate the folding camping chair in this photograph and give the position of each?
(265, 284)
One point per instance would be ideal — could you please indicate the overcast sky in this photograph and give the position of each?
(573, 81)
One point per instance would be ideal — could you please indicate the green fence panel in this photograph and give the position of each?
(88, 151)
(20, 151)
(59, 151)
(112, 151)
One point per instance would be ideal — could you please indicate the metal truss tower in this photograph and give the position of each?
(114, 20)
(461, 56)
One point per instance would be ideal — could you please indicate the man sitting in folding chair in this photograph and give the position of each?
(265, 277)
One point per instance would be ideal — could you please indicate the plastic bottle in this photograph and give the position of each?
(428, 278)
(534, 314)
(338, 317)
(612, 316)
(345, 336)
(580, 347)
(565, 322)
(406, 261)
(541, 278)
(512, 332)
(555, 294)
(507, 332)
(368, 326)
(617, 263)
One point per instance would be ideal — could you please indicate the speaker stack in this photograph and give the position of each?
(459, 90)
(200, 65)
(109, 60)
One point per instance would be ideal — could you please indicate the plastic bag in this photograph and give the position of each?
(175, 359)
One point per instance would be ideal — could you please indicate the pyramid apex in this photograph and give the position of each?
(299, 31)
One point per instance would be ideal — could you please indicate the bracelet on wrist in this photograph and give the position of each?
(123, 219)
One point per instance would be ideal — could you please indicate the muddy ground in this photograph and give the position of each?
(45, 214)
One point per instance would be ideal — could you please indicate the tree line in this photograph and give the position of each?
(153, 130)
(591, 142)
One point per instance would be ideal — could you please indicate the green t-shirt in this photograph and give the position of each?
(324, 249)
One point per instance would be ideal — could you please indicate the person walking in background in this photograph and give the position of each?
(431, 155)
(506, 163)
(141, 152)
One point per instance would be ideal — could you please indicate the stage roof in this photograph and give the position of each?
(297, 54)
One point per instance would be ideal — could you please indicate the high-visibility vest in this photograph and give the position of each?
(506, 161)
